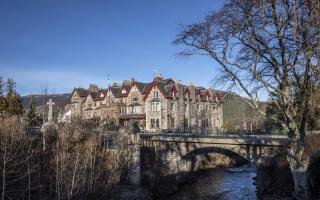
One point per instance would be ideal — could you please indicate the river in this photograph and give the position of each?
(219, 184)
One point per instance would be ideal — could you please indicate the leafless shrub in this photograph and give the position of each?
(74, 166)
(19, 155)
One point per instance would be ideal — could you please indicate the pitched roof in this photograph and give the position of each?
(116, 91)
(93, 95)
(126, 85)
(81, 92)
(98, 95)
(141, 86)
(146, 88)
(165, 87)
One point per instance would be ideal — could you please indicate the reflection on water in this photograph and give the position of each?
(232, 183)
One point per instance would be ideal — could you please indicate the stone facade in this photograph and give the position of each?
(163, 105)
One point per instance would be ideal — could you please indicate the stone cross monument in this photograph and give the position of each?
(50, 103)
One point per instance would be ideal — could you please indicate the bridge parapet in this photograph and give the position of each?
(254, 140)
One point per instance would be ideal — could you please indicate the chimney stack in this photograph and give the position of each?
(93, 88)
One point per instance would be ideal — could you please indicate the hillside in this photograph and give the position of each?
(236, 111)
(60, 100)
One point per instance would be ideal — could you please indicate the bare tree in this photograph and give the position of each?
(264, 47)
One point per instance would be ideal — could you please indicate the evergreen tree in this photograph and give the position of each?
(31, 116)
(14, 103)
(1, 87)
(2, 99)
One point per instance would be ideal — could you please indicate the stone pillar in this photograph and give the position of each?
(135, 173)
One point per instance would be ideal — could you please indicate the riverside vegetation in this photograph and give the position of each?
(75, 164)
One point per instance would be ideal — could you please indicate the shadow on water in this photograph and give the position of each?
(219, 184)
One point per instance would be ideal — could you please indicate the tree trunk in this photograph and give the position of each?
(299, 176)
(298, 165)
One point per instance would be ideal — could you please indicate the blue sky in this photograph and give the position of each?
(71, 43)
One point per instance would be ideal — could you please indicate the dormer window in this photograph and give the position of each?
(155, 94)
(109, 94)
(101, 95)
(134, 89)
(123, 91)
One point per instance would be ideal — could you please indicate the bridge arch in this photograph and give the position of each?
(190, 161)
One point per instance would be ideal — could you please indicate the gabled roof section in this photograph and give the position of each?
(186, 90)
(169, 81)
(126, 86)
(140, 85)
(93, 95)
(165, 89)
(80, 91)
(116, 91)
(100, 97)
(146, 88)
(202, 94)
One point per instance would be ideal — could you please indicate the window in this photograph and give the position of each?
(155, 106)
(136, 109)
(123, 91)
(172, 122)
(171, 105)
(134, 99)
(186, 124)
(134, 89)
(155, 123)
(155, 94)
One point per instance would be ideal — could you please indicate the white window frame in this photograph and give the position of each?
(155, 94)
(134, 89)
(155, 106)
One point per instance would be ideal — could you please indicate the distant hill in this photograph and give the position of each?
(60, 100)
(236, 110)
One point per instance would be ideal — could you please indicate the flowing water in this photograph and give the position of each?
(219, 184)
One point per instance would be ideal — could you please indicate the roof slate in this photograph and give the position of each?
(81, 92)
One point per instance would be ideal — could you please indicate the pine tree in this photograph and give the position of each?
(31, 116)
(2, 99)
(1, 87)
(14, 103)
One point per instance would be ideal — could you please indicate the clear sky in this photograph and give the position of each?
(71, 43)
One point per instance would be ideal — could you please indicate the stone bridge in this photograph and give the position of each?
(183, 152)
(167, 159)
